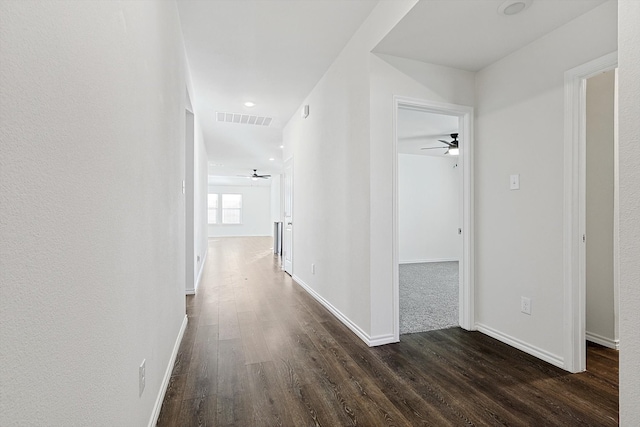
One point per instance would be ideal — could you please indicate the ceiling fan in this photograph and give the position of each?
(451, 146)
(255, 176)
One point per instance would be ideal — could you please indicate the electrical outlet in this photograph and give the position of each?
(525, 305)
(142, 376)
(313, 269)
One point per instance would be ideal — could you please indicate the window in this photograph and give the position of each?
(212, 203)
(231, 212)
(232, 208)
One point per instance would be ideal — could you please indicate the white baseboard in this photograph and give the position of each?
(420, 261)
(342, 317)
(604, 341)
(167, 375)
(381, 340)
(521, 345)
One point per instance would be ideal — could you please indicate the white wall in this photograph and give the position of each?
(196, 177)
(344, 163)
(189, 199)
(256, 212)
(277, 203)
(200, 229)
(276, 198)
(519, 129)
(403, 77)
(600, 316)
(91, 209)
(428, 208)
(332, 175)
(629, 143)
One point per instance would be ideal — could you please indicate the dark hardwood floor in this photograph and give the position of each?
(259, 351)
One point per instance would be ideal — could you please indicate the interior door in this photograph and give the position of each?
(288, 217)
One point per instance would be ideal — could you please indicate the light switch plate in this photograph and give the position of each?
(514, 182)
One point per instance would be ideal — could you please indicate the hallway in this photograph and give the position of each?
(258, 350)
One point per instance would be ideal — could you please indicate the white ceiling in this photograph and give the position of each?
(271, 52)
(419, 129)
(470, 34)
(237, 181)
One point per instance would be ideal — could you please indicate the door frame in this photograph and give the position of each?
(288, 165)
(466, 315)
(574, 253)
(188, 189)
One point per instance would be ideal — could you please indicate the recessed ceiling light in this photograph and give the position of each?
(282, 146)
(513, 7)
(271, 159)
(249, 104)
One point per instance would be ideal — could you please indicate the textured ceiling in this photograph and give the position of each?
(273, 52)
(265, 51)
(418, 129)
(471, 34)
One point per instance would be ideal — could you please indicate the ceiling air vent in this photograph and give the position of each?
(243, 119)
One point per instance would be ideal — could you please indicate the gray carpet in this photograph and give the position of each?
(428, 296)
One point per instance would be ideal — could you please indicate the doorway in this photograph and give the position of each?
(601, 213)
(460, 119)
(578, 217)
(429, 217)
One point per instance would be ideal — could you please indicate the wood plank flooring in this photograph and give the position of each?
(259, 351)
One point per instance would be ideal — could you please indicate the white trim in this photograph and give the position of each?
(238, 235)
(466, 293)
(204, 259)
(379, 340)
(193, 291)
(604, 341)
(548, 357)
(420, 261)
(289, 166)
(395, 245)
(574, 208)
(167, 374)
(616, 217)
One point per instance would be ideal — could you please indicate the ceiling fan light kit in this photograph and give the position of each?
(254, 176)
(451, 146)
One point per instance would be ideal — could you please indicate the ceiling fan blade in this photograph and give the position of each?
(450, 144)
(434, 148)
